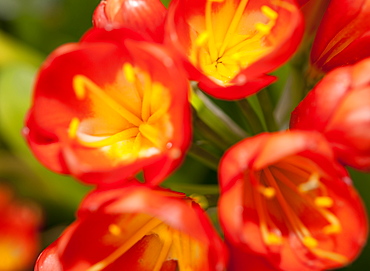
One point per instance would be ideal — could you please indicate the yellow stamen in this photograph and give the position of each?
(114, 229)
(121, 136)
(73, 127)
(309, 242)
(150, 133)
(147, 96)
(202, 39)
(273, 239)
(343, 260)
(233, 25)
(209, 26)
(268, 192)
(264, 29)
(129, 72)
(269, 12)
(268, 237)
(332, 229)
(81, 83)
(325, 202)
(312, 183)
(334, 226)
(297, 226)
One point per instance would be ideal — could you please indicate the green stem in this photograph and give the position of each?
(251, 116)
(215, 118)
(204, 156)
(267, 110)
(208, 133)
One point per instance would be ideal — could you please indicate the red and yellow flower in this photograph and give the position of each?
(144, 16)
(343, 37)
(339, 108)
(230, 45)
(108, 107)
(137, 228)
(284, 197)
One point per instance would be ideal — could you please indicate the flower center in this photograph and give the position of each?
(290, 199)
(159, 244)
(230, 39)
(128, 118)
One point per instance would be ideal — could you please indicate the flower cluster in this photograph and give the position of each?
(127, 99)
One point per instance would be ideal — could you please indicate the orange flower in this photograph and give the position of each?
(137, 228)
(339, 108)
(343, 35)
(144, 16)
(108, 107)
(230, 45)
(284, 197)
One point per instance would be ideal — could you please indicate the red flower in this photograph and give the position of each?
(343, 36)
(137, 228)
(229, 46)
(19, 237)
(105, 109)
(284, 197)
(339, 107)
(144, 16)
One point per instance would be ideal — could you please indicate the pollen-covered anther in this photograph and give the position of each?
(273, 239)
(271, 15)
(332, 229)
(268, 192)
(310, 242)
(129, 72)
(325, 202)
(72, 129)
(312, 183)
(269, 12)
(114, 229)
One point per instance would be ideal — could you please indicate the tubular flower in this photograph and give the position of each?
(343, 36)
(229, 45)
(19, 237)
(144, 16)
(339, 107)
(103, 111)
(284, 197)
(137, 228)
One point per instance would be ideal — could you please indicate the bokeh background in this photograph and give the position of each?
(29, 31)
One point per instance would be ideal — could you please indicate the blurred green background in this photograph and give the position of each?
(29, 31)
